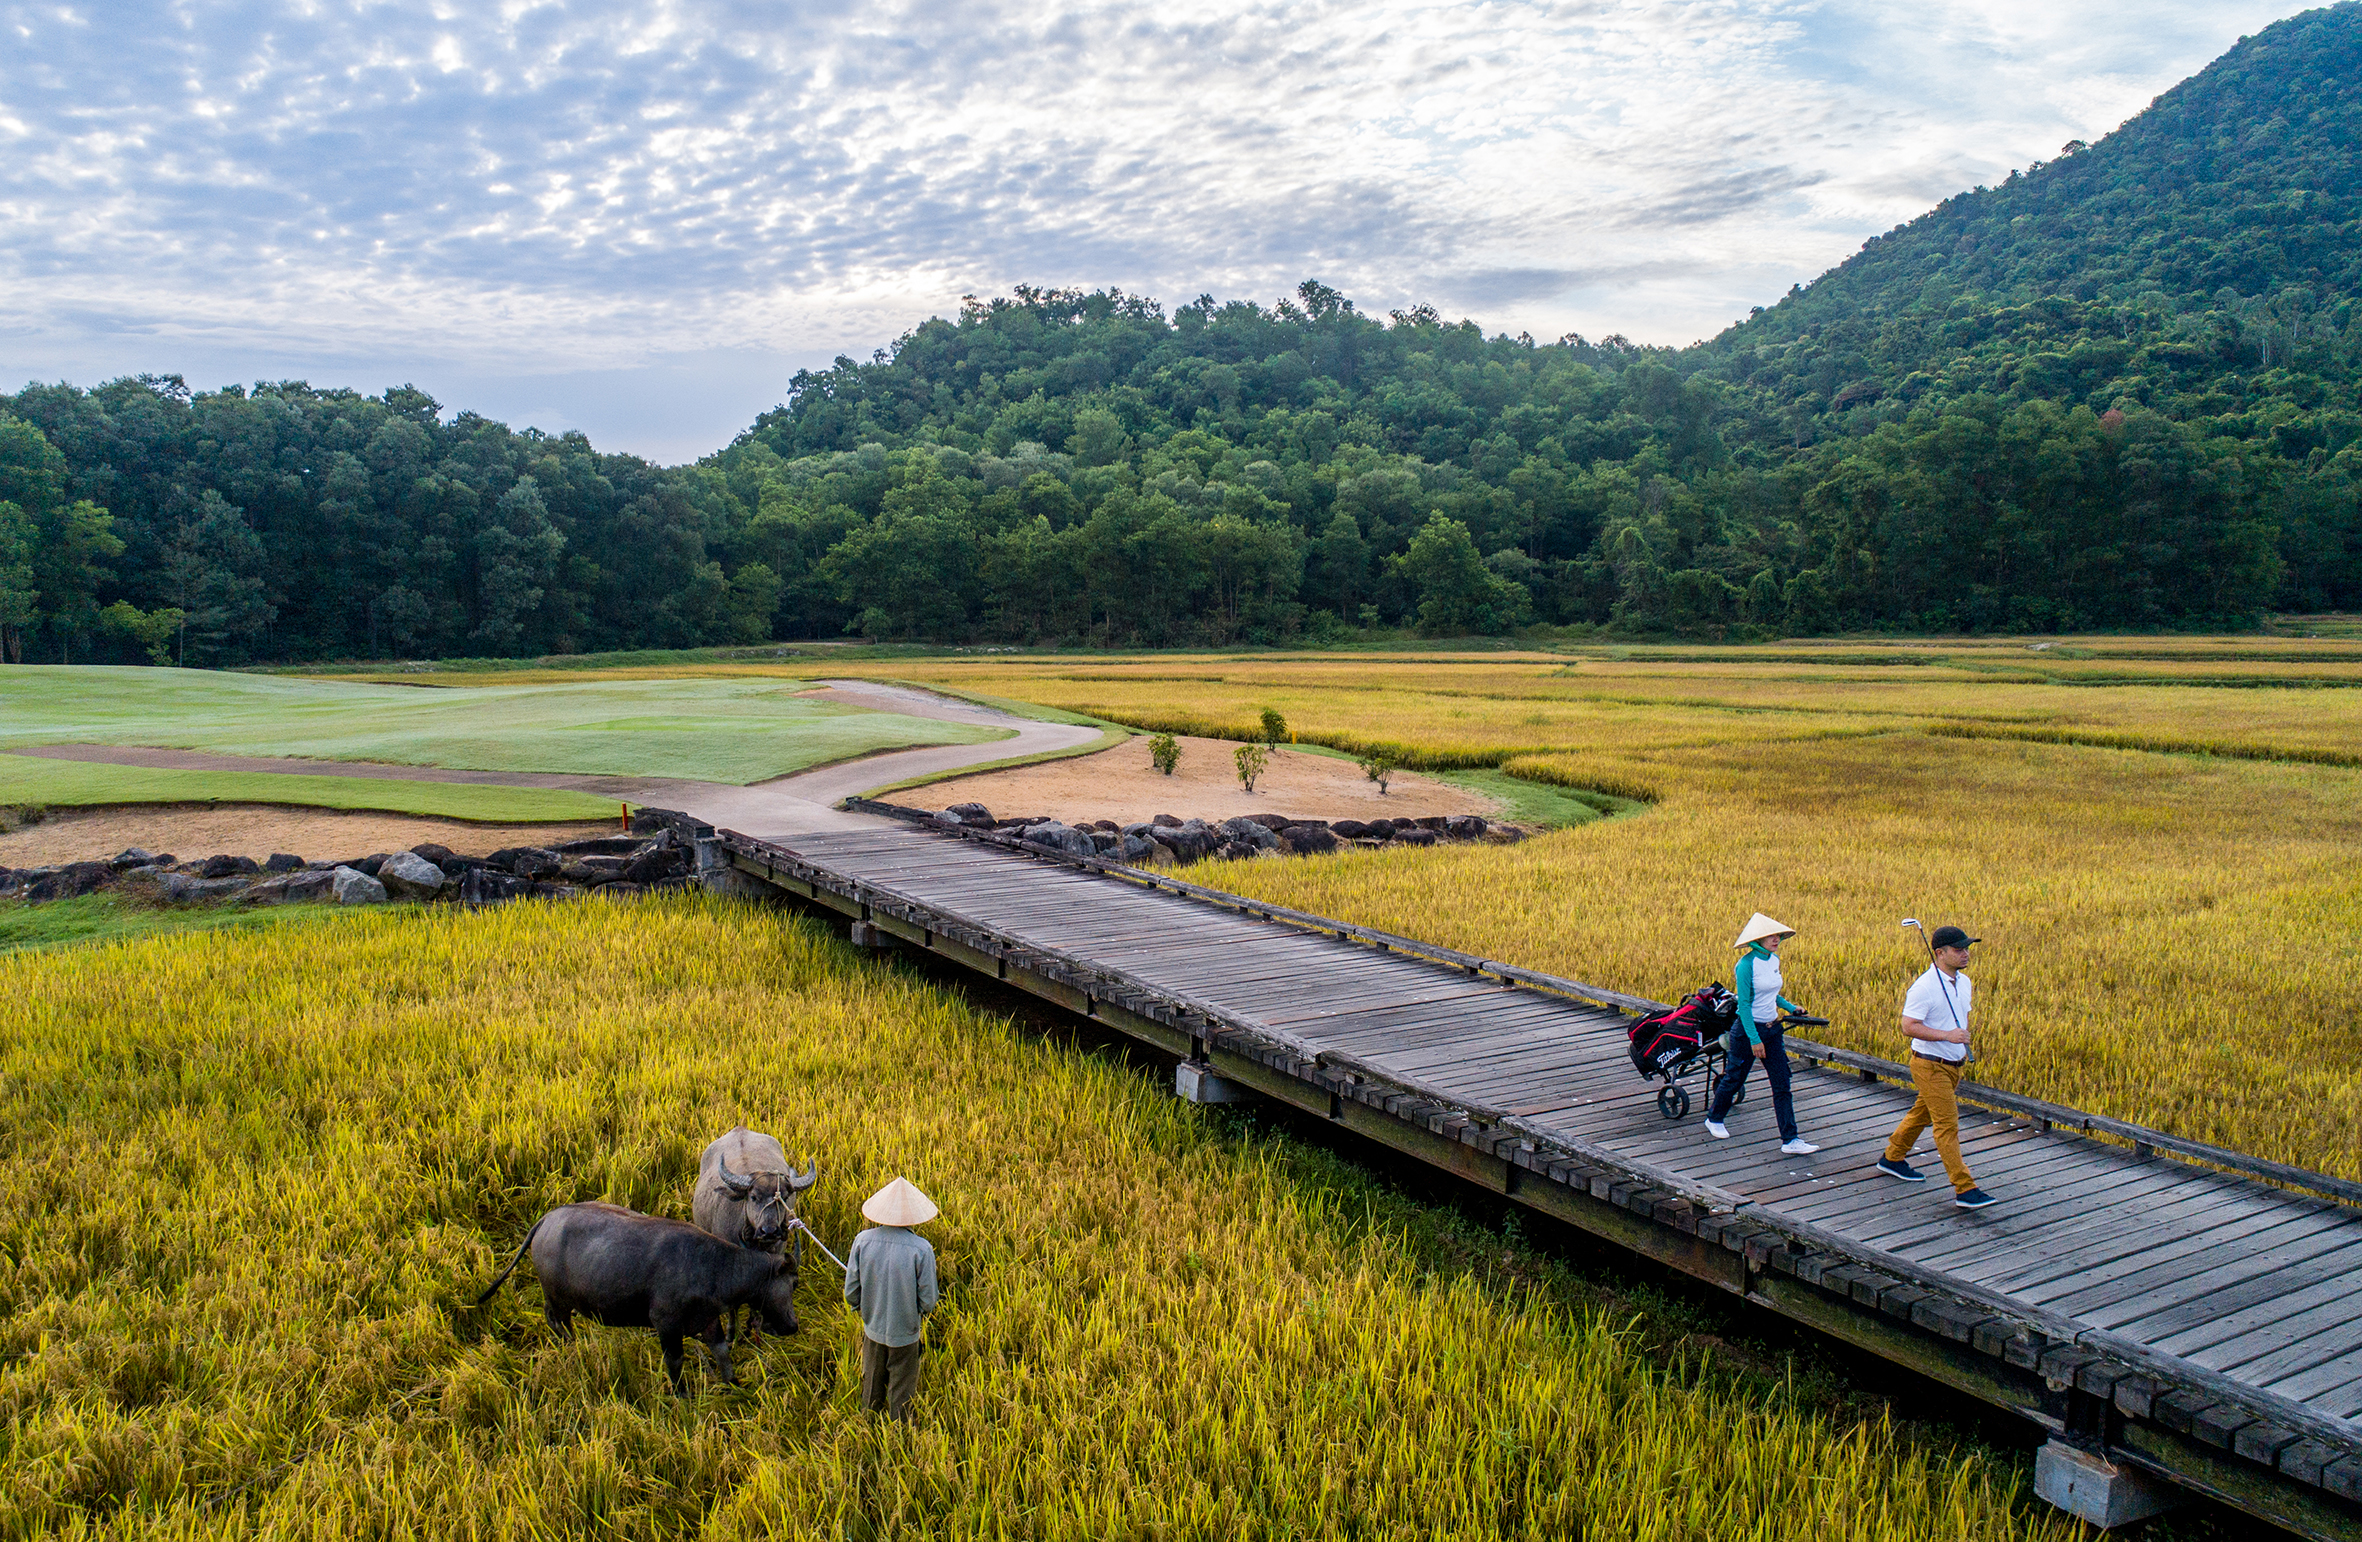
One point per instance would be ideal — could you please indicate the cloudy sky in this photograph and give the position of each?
(638, 219)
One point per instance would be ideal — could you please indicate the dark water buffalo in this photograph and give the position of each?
(629, 1270)
(746, 1192)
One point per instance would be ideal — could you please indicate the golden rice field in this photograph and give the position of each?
(2171, 935)
(254, 1181)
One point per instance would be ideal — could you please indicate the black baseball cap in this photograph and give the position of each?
(1951, 937)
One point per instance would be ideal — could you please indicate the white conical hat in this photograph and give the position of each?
(899, 1204)
(1760, 926)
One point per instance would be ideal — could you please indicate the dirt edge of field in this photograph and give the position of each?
(193, 830)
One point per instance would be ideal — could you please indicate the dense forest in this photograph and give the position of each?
(2121, 390)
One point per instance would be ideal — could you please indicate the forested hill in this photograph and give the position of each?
(2123, 389)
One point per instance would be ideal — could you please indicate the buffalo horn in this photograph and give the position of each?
(805, 1179)
(731, 1181)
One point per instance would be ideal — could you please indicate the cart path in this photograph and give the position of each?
(787, 805)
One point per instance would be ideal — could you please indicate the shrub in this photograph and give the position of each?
(1164, 753)
(1378, 768)
(1275, 727)
(1251, 760)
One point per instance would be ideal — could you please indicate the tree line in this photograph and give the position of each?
(2121, 390)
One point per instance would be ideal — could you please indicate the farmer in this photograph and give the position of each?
(1935, 1016)
(1757, 985)
(890, 1281)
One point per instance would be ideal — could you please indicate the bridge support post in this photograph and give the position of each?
(868, 935)
(1198, 1084)
(2095, 1490)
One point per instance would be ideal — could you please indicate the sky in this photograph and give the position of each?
(640, 219)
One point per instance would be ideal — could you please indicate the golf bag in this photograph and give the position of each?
(1662, 1045)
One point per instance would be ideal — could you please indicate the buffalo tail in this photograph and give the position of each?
(502, 1277)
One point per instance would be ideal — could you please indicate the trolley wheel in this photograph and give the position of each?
(1672, 1101)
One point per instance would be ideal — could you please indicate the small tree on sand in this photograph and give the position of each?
(1251, 760)
(1275, 727)
(1378, 768)
(1164, 753)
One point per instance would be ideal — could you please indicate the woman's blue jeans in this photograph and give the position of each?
(1775, 1070)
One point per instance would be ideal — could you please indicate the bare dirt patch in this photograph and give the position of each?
(1120, 784)
(257, 830)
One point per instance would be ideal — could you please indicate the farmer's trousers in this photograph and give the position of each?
(1775, 1071)
(889, 1375)
(1938, 1082)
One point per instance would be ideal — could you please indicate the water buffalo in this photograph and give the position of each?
(746, 1192)
(629, 1270)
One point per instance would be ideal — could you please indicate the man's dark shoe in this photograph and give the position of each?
(1972, 1199)
(1902, 1170)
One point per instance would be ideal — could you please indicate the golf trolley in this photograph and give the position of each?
(1693, 1041)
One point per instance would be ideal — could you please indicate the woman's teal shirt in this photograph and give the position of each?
(1743, 982)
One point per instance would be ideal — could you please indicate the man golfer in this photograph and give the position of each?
(890, 1281)
(1935, 1016)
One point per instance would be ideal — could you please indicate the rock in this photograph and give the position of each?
(1378, 830)
(1235, 849)
(440, 855)
(302, 886)
(407, 875)
(1416, 836)
(133, 856)
(1135, 848)
(224, 867)
(1022, 823)
(1106, 843)
(1308, 840)
(282, 862)
(526, 861)
(351, 886)
(1167, 820)
(69, 882)
(560, 891)
(1060, 838)
(947, 817)
(1158, 856)
(591, 870)
(1272, 822)
(1503, 835)
(601, 846)
(1351, 829)
(1463, 827)
(1185, 844)
(651, 867)
(1425, 822)
(489, 886)
(1254, 832)
(971, 814)
(1140, 827)
(369, 864)
(1107, 826)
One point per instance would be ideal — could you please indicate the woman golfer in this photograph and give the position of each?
(1757, 983)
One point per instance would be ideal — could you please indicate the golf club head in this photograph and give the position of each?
(1913, 923)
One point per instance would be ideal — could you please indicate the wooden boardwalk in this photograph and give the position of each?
(2197, 1322)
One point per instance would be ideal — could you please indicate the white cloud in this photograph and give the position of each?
(548, 192)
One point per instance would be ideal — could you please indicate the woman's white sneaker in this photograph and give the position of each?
(1717, 1130)
(1798, 1147)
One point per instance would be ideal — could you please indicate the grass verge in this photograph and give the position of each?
(110, 918)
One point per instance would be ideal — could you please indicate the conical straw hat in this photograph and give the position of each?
(899, 1204)
(1761, 926)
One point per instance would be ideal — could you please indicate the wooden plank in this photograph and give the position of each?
(2229, 1260)
(2223, 1315)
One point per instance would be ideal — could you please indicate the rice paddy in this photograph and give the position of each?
(254, 1182)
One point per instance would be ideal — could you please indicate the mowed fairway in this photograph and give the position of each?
(2170, 930)
(254, 1182)
(714, 730)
